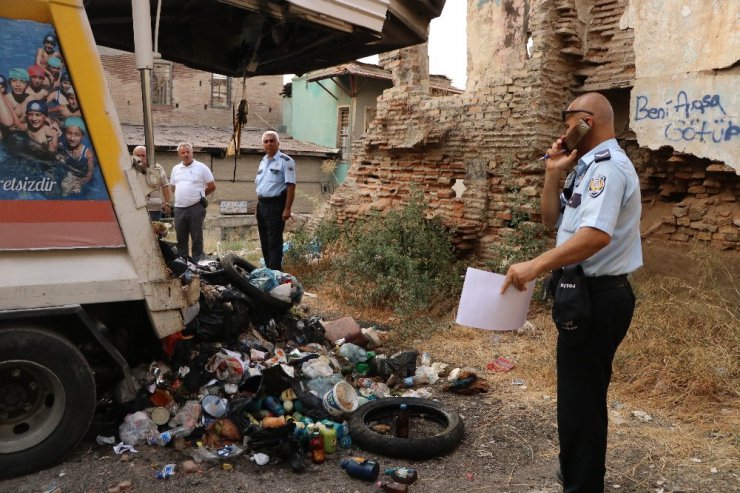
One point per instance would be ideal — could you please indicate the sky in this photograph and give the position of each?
(447, 44)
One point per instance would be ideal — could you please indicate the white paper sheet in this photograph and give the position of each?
(484, 307)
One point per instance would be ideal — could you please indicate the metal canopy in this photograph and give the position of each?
(267, 37)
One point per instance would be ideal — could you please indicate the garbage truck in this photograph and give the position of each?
(85, 293)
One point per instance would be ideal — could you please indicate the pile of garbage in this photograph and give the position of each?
(249, 375)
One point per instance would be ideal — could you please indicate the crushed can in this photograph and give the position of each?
(167, 472)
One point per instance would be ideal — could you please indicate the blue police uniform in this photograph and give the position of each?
(273, 176)
(603, 192)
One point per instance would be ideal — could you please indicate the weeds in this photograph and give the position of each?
(400, 260)
(522, 240)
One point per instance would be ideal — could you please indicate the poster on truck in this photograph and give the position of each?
(52, 192)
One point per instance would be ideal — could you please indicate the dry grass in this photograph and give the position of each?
(679, 361)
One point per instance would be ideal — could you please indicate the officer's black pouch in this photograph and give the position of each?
(203, 201)
(571, 309)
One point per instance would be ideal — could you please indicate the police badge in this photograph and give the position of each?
(596, 185)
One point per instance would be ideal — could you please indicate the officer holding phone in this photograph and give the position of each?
(597, 214)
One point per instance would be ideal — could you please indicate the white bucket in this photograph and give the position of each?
(341, 399)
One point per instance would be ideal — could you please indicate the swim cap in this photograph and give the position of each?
(36, 70)
(70, 92)
(19, 74)
(50, 37)
(38, 106)
(75, 121)
(54, 62)
(65, 77)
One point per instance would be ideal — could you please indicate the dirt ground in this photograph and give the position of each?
(510, 442)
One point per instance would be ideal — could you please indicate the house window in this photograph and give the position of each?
(369, 115)
(162, 83)
(220, 91)
(343, 132)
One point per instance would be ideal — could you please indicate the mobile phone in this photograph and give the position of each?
(575, 134)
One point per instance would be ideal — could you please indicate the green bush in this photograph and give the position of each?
(399, 260)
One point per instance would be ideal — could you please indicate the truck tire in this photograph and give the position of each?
(233, 266)
(47, 399)
(426, 447)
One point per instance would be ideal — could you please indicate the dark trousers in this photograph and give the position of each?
(271, 226)
(584, 370)
(189, 224)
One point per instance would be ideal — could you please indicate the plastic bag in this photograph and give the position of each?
(317, 367)
(136, 428)
(402, 364)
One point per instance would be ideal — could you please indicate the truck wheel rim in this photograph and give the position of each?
(32, 402)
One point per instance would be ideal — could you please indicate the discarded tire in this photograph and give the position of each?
(409, 448)
(48, 400)
(237, 269)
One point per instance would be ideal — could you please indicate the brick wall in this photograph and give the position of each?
(491, 136)
(191, 95)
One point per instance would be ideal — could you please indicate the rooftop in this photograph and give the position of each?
(210, 138)
(372, 71)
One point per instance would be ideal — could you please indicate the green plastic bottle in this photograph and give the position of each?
(329, 433)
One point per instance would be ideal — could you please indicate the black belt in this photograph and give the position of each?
(602, 283)
(272, 199)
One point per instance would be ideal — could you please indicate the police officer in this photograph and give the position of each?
(275, 193)
(598, 219)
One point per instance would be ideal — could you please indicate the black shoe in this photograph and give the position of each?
(559, 477)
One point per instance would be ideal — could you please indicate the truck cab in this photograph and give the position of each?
(86, 293)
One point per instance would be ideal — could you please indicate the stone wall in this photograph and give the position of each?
(490, 137)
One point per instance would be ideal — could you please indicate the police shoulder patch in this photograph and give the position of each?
(596, 185)
(604, 155)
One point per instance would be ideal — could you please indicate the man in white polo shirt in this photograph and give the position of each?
(191, 181)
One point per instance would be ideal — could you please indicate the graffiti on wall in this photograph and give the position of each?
(696, 114)
(689, 118)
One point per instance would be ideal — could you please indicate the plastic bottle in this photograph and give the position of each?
(402, 422)
(273, 421)
(273, 405)
(316, 445)
(353, 353)
(392, 486)
(405, 475)
(167, 436)
(329, 435)
(343, 437)
(361, 468)
(160, 439)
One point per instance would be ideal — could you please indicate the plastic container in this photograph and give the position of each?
(405, 475)
(329, 434)
(341, 399)
(361, 468)
(343, 437)
(273, 405)
(316, 445)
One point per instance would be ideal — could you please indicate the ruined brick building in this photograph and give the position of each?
(490, 137)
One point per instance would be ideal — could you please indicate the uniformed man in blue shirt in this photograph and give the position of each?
(598, 219)
(275, 193)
